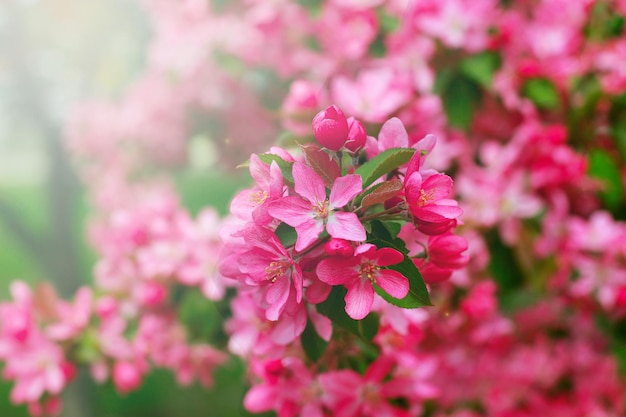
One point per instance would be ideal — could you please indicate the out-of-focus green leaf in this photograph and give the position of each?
(481, 67)
(383, 163)
(334, 307)
(314, 346)
(604, 168)
(542, 92)
(461, 96)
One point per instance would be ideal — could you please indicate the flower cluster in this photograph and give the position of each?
(352, 223)
(303, 226)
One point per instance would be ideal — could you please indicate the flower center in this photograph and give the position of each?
(369, 271)
(321, 209)
(276, 270)
(425, 197)
(259, 197)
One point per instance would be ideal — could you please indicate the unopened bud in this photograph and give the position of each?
(356, 135)
(339, 247)
(330, 128)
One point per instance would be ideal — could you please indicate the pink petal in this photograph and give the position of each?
(359, 299)
(435, 213)
(393, 282)
(336, 271)
(260, 398)
(296, 276)
(322, 324)
(259, 171)
(307, 183)
(393, 134)
(388, 256)
(437, 186)
(276, 297)
(308, 233)
(345, 189)
(276, 180)
(292, 210)
(344, 225)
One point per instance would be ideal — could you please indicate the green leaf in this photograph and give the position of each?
(617, 121)
(322, 163)
(314, 346)
(382, 192)
(286, 234)
(603, 167)
(368, 326)
(334, 308)
(383, 163)
(285, 167)
(481, 67)
(542, 92)
(418, 294)
(461, 96)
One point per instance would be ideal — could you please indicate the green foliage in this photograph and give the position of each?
(481, 67)
(604, 168)
(334, 308)
(286, 234)
(617, 121)
(313, 345)
(504, 268)
(542, 92)
(380, 193)
(383, 163)
(460, 95)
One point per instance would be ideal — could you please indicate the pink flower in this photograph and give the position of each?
(359, 273)
(374, 95)
(432, 211)
(251, 204)
(331, 128)
(126, 376)
(349, 394)
(356, 135)
(312, 212)
(269, 264)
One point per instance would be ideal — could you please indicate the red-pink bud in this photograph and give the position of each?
(356, 135)
(106, 307)
(331, 128)
(126, 376)
(152, 294)
(620, 297)
(339, 247)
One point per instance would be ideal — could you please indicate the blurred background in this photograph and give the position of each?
(53, 54)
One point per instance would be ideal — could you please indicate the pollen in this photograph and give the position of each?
(259, 197)
(276, 270)
(425, 197)
(321, 209)
(369, 271)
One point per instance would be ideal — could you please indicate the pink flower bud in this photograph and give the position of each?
(356, 135)
(152, 294)
(273, 370)
(69, 371)
(331, 128)
(106, 307)
(339, 247)
(620, 297)
(126, 376)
